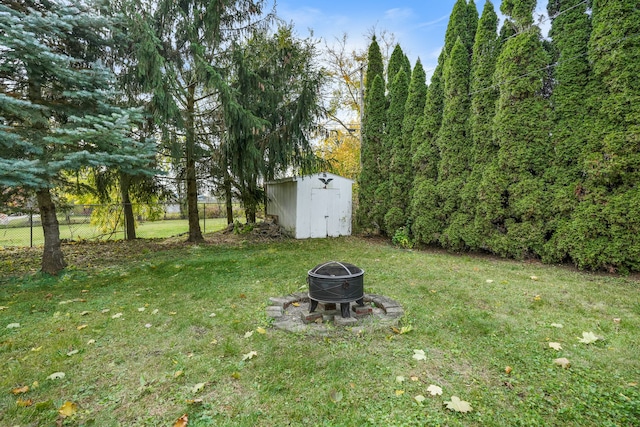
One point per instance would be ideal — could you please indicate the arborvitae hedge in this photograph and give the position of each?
(454, 142)
(572, 100)
(605, 228)
(395, 155)
(483, 107)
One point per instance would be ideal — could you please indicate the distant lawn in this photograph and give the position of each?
(161, 333)
(20, 236)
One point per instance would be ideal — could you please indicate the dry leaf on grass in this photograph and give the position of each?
(434, 390)
(182, 421)
(562, 361)
(68, 409)
(555, 346)
(458, 405)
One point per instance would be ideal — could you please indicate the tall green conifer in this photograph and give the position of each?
(572, 115)
(518, 203)
(370, 213)
(455, 144)
(483, 101)
(606, 222)
(426, 225)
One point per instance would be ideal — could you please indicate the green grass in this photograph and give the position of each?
(469, 328)
(21, 236)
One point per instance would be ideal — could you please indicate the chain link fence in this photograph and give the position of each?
(22, 227)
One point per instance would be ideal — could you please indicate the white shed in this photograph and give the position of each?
(317, 205)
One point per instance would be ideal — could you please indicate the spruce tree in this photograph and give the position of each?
(519, 202)
(455, 144)
(606, 221)
(393, 192)
(370, 213)
(397, 62)
(572, 113)
(57, 108)
(483, 100)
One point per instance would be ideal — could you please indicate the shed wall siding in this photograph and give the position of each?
(283, 204)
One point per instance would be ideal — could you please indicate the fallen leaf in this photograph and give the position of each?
(295, 304)
(20, 390)
(91, 341)
(72, 352)
(155, 311)
(562, 361)
(105, 310)
(116, 316)
(182, 421)
(414, 378)
(588, 338)
(399, 379)
(249, 355)
(56, 376)
(557, 325)
(173, 313)
(419, 398)
(212, 315)
(84, 313)
(261, 330)
(235, 375)
(399, 392)
(248, 334)
(419, 355)
(35, 385)
(335, 396)
(537, 298)
(534, 277)
(13, 325)
(193, 401)
(616, 320)
(81, 327)
(197, 388)
(458, 405)
(24, 403)
(36, 349)
(177, 374)
(84, 291)
(489, 281)
(434, 390)
(68, 409)
(147, 325)
(508, 369)
(3, 307)
(141, 309)
(555, 346)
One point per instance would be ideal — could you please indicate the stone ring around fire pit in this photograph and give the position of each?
(292, 313)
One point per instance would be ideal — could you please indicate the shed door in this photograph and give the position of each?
(325, 218)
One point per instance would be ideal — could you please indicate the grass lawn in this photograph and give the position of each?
(20, 236)
(147, 335)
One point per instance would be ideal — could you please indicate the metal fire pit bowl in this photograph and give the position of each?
(336, 282)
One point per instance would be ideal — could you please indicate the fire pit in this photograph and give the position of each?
(336, 282)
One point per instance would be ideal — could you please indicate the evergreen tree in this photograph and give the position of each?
(395, 155)
(455, 145)
(483, 100)
(194, 38)
(572, 113)
(517, 198)
(375, 66)
(276, 80)
(57, 112)
(423, 216)
(370, 213)
(606, 221)
(397, 62)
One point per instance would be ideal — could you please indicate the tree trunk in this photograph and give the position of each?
(195, 234)
(127, 207)
(228, 196)
(52, 258)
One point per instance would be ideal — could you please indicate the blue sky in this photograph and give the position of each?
(419, 26)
